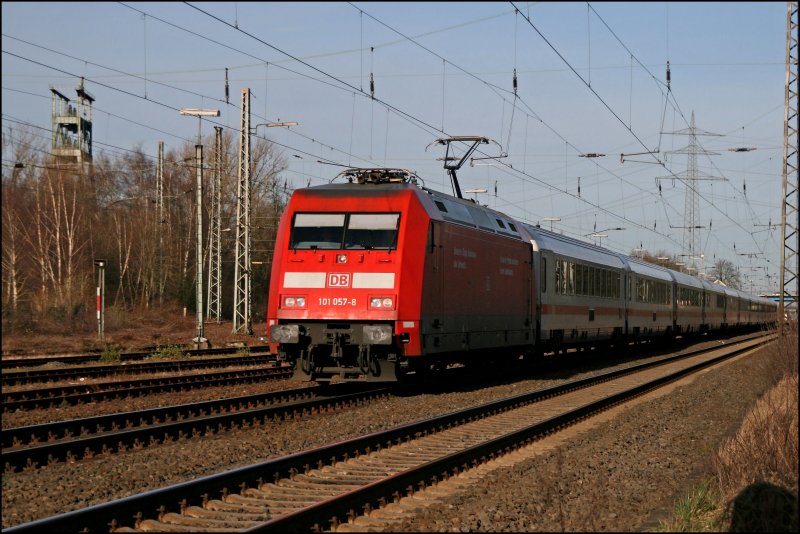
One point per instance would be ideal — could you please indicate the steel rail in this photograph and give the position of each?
(31, 376)
(170, 423)
(116, 514)
(32, 361)
(49, 397)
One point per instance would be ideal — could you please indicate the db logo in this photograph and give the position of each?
(338, 279)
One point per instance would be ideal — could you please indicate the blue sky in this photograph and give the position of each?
(591, 79)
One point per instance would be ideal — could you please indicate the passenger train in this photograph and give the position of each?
(381, 278)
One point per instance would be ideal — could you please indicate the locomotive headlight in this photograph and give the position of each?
(284, 333)
(294, 302)
(378, 334)
(381, 303)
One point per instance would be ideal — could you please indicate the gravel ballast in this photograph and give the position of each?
(620, 474)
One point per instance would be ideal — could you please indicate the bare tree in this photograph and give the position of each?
(57, 219)
(661, 258)
(15, 179)
(13, 277)
(726, 272)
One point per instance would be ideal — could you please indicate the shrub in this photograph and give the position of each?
(110, 354)
(169, 352)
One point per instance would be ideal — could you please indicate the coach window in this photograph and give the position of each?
(317, 231)
(571, 278)
(603, 283)
(587, 282)
(557, 286)
(598, 286)
(544, 275)
(557, 273)
(372, 231)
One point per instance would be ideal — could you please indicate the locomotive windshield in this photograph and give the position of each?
(350, 231)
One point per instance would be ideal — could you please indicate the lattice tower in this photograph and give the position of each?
(691, 177)
(790, 221)
(214, 309)
(242, 322)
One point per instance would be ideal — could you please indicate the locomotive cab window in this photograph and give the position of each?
(337, 231)
(372, 231)
(317, 231)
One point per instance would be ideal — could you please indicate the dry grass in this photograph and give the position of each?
(765, 448)
(124, 330)
(755, 483)
(757, 469)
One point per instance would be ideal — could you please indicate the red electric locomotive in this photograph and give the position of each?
(372, 281)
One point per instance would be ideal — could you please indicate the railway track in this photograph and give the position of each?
(76, 359)
(350, 485)
(34, 446)
(35, 376)
(44, 398)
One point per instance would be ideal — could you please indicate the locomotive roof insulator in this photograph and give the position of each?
(379, 176)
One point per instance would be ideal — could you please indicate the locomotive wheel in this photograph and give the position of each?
(364, 363)
(375, 367)
(306, 363)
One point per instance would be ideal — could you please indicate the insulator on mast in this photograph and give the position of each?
(669, 77)
(371, 78)
(372, 85)
(515, 82)
(227, 87)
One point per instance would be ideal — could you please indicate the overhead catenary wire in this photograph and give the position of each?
(619, 119)
(444, 63)
(444, 60)
(132, 94)
(668, 76)
(142, 97)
